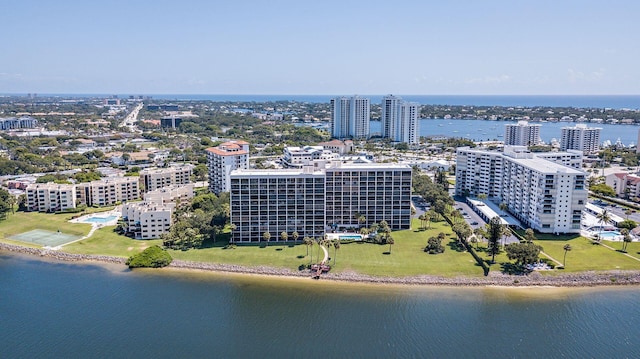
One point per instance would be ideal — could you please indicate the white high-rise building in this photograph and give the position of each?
(350, 117)
(580, 137)
(399, 119)
(522, 134)
(543, 194)
(222, 160)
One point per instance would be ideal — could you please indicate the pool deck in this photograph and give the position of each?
(117, 212)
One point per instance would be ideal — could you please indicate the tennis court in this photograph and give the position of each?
(45, 238)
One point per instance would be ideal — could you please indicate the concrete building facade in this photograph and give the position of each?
(155, 178)
(522, 134)
(580, 137)
(109, 191)
(399, 119)
(223, 159)
(350, 117)
(50, 197)
(544, 195)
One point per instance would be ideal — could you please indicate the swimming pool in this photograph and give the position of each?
(351, 237)
(609, 234)
(99, 219)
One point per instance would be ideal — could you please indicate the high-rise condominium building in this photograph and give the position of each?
(222, 160)
(350, 117)
(544, 195)
(400, 119)
(580, 137)
(311, 201)
(522, 134)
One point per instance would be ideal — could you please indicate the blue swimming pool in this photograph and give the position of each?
(356, 237)
(609, 234)
(99, 219)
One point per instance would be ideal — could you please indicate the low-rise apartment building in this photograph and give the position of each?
(147, 220)
(625, 185)
(108, 191)
(154, 178)
(50, 197)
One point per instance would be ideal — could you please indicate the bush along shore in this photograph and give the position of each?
(583, 279)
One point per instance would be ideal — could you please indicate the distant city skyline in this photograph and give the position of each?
(494, 47)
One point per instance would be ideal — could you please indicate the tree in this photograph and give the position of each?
(494, 233)
(267, 237)
(307, 243)
(336, 246)
(295, 235)
(482, 196)
(603, 218)
(182, 236)
(479, 233)
(626, 238)
(603, 189)
(434, 245)
(503, 207)
(152, 257)
(628, 224)
(362, 219)
(284, 236)
(567, 248)
(523, 253)
(455, 215)
(474, 240)
(422, 220)
(390, 241)
(529, 235)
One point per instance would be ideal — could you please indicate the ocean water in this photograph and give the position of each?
(584, 101)
(62, 310)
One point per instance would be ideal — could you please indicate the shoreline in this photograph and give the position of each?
(494, 279)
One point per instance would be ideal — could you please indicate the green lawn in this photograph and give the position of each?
(20, 222)
(105, 241)
(585, 255)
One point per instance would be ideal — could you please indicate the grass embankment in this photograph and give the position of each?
(106, 242)
(21, 222)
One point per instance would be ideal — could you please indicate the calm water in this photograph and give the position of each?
(479, 130)
(585, 101)
(61, 310)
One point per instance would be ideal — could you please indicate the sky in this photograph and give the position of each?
(307, 47)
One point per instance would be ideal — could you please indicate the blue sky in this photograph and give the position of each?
(320, 47)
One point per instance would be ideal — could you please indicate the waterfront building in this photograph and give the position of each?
(109, 191)
(580, 137)
(223, 159)
(350, 117)
(15, 123)
(312, 200)
(571, 158)
(375, 192)
(297, 157)
(522, 134)
(544, 195)
(50, 197)
(147, 220)
(400, 119)
(276, 201)
(154, 178)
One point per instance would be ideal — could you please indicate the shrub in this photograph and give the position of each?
(152, 257)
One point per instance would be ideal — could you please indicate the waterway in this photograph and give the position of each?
(483, 130)
(62, 310)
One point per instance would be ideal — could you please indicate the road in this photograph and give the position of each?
(132, 118)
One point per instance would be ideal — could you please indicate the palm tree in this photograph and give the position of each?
(482, 196)
(307, 242)
(603, 218)
(422, 219)
(474, 240)
(567, 248)
(455, 215)
(480, 233)
(336, 246)
(390, 241)
(362, 219)
(503, 207)
(295, 235)
(267, 237)
(625, 239)
(529, 235)
(284, 236)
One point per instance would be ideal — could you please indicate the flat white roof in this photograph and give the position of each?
(544, 165)
(490, 210)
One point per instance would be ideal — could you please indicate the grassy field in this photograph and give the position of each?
(20, 222)
(407, 257)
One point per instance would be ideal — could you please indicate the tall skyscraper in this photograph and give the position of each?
(400, 119)
(350, 117)
(522, 134)
(580, 137)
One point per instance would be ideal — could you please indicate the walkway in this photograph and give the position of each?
(613, 249)
(326, 254)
